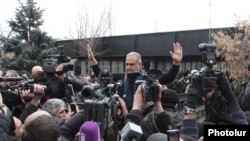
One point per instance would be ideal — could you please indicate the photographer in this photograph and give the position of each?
(157, 121)
(220, 103)
(213, 88)
(60, 88)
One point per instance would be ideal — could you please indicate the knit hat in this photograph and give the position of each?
(158, 137)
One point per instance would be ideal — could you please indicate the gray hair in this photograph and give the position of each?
(12, 73)
(52, 105)
(138, 56)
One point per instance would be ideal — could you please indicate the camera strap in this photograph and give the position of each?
(154, 114)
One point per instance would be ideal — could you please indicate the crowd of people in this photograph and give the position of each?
(52, 107)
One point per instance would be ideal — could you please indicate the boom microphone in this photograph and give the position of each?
(90, 131)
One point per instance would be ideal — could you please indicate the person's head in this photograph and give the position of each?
(34, 115)
(42, 128)
(56, 107)
(158, 137)
(37, 73)
(170, 99)
(185, 137)
(12, 73)
(133, 62)
(25, 77)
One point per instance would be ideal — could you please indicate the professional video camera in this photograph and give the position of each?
(29, 85)
(50, 64)
(105, 76)
(208, 54)
(12, 90)
(89, 91)
(113, 88)
(150, 88)
(207, 77)
(100, 104)
(9, 83)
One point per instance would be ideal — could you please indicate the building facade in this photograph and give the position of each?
(154, 49)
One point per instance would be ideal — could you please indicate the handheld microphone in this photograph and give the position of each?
(90, 131)
(119, 84)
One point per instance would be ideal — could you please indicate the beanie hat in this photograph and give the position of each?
(170, 95)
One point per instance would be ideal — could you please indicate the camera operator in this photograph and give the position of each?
(10, 99)
(159, 120)
(213, 88)
(60, 88)
(220, 104)
(39, 77)
(31, 99)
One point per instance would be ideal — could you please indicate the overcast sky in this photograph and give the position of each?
(135, 16)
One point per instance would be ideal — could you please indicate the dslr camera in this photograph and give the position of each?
(150, 88)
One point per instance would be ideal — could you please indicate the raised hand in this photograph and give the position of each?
(90, 54)
(176, 54)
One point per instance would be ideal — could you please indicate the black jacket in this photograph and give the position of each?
(71, 127)
(151, 123)
(60, 89)
(6, 124)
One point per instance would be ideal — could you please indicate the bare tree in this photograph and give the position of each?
(234, 48)
(91, 27)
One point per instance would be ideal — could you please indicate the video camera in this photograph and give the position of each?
(150, 88)
(207, 77)
(88, 91)
(100, 104)
(208, 54)
(50, 64)
(29, 85)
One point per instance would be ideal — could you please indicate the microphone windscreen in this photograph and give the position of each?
(120, 82)
(90, 131)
